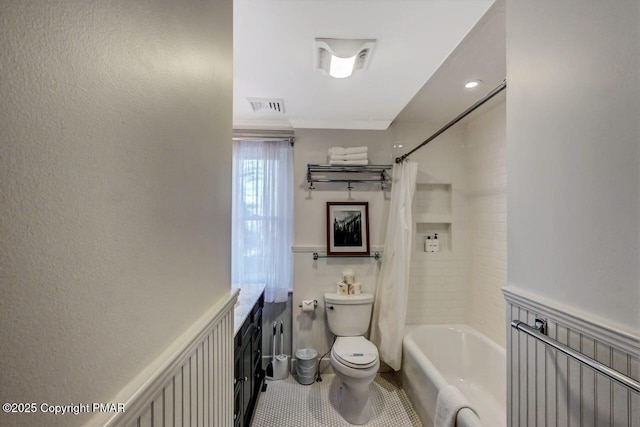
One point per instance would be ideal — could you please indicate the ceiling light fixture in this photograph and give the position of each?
(471, 84)
(341, 57)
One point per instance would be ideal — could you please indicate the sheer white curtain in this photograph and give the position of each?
(262, 216)
(392, 290)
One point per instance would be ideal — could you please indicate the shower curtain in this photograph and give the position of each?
(390, 307)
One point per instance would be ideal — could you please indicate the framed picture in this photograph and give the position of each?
(347, 228)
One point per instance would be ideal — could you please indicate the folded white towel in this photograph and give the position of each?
(337, 150)
(450, 400)
(358, 156)
(349, 162)
(356, 150)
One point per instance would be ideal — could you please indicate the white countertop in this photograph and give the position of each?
(247, 298)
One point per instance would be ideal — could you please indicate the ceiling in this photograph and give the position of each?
(274, 58)
(480, 56)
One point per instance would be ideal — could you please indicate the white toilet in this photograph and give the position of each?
(353, 357)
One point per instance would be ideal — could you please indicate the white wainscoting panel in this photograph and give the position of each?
(547, 388)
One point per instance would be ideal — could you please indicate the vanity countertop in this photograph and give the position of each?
(247, 298)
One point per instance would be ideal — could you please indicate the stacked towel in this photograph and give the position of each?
(348, 156)
(449, 402)
(359, 156)
(349, 162)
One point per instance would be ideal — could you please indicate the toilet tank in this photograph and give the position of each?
(348, 315)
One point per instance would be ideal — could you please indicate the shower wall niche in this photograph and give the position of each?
(433, 215)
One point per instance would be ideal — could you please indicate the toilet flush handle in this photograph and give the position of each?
(330, 307)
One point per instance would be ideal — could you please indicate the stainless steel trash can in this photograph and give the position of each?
(306, 364)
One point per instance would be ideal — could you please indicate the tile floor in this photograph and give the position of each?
(287, 403)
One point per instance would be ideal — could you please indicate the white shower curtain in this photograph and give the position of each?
(390, 307)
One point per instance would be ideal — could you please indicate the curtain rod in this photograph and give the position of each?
(466, 112)
(264, 135)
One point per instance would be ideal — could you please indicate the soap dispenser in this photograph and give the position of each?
(427, 244)
(435, 244)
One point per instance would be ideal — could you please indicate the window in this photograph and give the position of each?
(262, 216)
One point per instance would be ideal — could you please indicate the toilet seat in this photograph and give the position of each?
(355, 352)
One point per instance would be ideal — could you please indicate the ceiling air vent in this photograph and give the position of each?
(267, 105)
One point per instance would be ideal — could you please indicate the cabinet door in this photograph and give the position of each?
(237, 409)
(237, 382)
(247, 372)
(258, 372)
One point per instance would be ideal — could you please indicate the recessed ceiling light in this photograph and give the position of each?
(473, 83)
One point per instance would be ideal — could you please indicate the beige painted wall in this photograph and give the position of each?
(573, 154)
(311, 279)
(115, 190)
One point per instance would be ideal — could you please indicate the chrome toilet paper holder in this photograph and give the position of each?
(315, 303)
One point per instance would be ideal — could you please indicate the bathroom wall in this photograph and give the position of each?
(486, 194)
(461, 193)
(115, 190)
(573, 205)
(312, 279)
(460, 284)
(438, 289)
(461, 182)
(574, 103)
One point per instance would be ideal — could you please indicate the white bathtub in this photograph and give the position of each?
(436, 355)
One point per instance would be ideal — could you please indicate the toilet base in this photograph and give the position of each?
(353, 403)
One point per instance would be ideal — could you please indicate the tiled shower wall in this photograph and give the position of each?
(462, 284)
(438, 286)
(487, 203)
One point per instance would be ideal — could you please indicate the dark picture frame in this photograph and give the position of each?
(348, 229)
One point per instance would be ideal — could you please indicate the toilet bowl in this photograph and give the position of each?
(355, 362)
(354, 358)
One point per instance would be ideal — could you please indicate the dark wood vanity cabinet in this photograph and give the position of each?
(248, 372)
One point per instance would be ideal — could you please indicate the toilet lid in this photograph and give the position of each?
(355, 352)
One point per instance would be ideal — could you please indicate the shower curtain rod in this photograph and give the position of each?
(466, 112)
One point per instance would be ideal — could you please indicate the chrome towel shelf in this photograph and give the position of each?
(538, 331)
(375, 255)
(345, 174)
